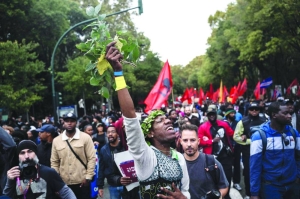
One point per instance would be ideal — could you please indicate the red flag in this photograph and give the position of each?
(186, 96)
(238, 88)
(294, 83)
(193, 92)
(257, 91)
(210, 93)
(232, 91)
(216, 96)
(226, 94)
(263, 91)
(201, 96)
(236, 93)
(161, 90)
(243, 88)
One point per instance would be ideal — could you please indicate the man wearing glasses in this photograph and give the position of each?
(275, 169)
(242, 135)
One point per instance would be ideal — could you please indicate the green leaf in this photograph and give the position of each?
(135, 54)
(82, 46)
(107, 77)
(94, 81)
(97, 9)
(105, 92)
(91, 57)
(90, 10)
(101, 17)
(90, 66)
(121, 32)
(91, 25)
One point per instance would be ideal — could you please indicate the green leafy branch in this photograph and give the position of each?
(95, 48)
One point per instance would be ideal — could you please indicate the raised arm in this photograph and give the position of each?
(113, 56)
(142, 154)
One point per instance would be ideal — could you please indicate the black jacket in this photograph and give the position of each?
(44, 153)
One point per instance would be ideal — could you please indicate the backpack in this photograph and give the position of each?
(212, 168)
(262, 134)
(247, 121)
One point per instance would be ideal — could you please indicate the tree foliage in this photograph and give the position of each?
(19, 88)
(253, 39)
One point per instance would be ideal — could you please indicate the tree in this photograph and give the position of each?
(19, 88)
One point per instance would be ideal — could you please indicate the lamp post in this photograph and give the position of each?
(140, 7)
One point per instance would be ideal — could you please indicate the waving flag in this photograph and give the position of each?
(266, 82)
(221, 94)
(161, 90)
(257, 91)
(201, 96)
(243, 88)
(294, 83)
(187, 96)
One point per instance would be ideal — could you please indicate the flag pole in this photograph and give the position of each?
(173, 99)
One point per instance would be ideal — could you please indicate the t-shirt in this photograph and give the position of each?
(200, 180)
(101, 140)
(49, 183)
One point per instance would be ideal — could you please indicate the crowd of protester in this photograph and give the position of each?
(189, 151)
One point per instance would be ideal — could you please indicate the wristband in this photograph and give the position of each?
(118, 73)
(120, 83)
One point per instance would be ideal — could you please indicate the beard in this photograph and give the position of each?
(71, 130)
(191, 153)
(35, 160)
(113, 141)
(232, 118)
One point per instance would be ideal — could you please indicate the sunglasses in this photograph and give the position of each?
(285, 139)
(253, 109)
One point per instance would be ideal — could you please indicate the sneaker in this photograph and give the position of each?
(237, 187)
(247, 197)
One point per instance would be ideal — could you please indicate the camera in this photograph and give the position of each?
(28, 170)
(213, 194)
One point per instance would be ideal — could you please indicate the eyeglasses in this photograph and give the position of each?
(253, 109)
(113, 131)
(285, 139)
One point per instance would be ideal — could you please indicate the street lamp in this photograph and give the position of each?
(140, 7)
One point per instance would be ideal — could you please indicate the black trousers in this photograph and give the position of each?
(237, 164)
(226, 163)
(246, 171)
(81, 192)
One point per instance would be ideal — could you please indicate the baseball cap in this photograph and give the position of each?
(70, 116)
(286, 101)
(212, 108)
(254, 105)
(280, 99)
(32, 128)
(47, 128)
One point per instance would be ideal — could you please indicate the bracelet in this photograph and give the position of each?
(118, 73)
(120, 83)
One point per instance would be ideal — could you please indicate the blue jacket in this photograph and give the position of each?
(108, 168)
(280, 164)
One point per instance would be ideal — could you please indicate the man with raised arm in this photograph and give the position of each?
(161, 170)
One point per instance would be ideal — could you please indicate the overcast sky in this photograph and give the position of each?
(178, 30)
